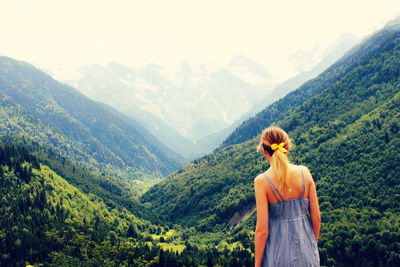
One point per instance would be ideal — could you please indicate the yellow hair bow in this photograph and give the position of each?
(280, 147)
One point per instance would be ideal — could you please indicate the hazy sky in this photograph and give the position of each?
(53, 32)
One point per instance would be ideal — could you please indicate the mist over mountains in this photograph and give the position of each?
(193, 108)
(194, 101)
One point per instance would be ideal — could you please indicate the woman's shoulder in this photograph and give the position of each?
(299, 168)
(307, 174)
(259, 177)
(260, 180)
(304, 168)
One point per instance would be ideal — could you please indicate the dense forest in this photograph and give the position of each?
(347, 133)
(44, 219)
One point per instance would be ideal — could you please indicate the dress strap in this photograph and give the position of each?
(303, 188)
(273, 187)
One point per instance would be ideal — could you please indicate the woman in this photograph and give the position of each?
(288, 217)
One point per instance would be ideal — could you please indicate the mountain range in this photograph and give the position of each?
(190, 109)
(181, 107)
(317, 62)
(192, 101)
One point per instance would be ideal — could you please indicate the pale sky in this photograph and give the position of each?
(77, 32)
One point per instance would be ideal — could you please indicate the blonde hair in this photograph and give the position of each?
(279, 160)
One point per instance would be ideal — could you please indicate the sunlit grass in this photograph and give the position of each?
(173, 247)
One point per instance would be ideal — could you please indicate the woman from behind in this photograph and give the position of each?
(288, 216)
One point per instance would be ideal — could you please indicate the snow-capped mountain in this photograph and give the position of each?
(306, 60)
(195, 101)
(188, 105)
(249, 70)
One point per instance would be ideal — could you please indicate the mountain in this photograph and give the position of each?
(188, 109)
(318, 63)
(58, 116)
(333, 53)
(284, 106)
(345, 127)
(110, 84)
(180, 106)
(249, 70)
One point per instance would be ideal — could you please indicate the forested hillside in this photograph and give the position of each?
(44, 219)
(345, 128)
(58, 116)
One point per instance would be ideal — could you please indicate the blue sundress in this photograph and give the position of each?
(291, 240)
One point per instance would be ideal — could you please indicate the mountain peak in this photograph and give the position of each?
(242, 63)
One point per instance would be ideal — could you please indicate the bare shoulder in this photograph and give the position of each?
(305, 168)
(259, 180)
(307, 174)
